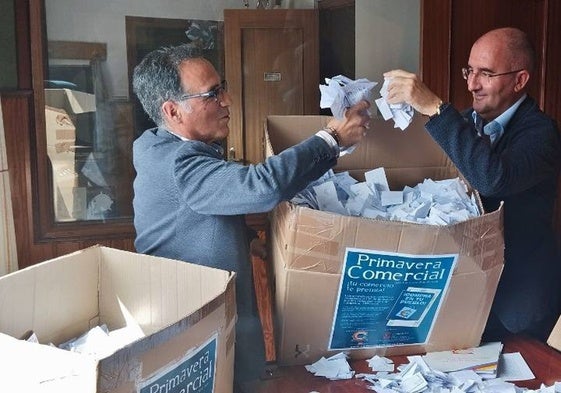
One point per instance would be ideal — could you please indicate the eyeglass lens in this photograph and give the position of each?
(467, 72)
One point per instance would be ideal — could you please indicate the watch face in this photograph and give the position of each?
(441, 107)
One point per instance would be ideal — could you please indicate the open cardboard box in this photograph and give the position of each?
(186, 312)
(350, 283)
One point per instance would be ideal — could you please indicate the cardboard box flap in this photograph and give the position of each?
(72, 100)
(554, 339)
(55, 312)
(75, 292)
(183, 289)
(384, 145)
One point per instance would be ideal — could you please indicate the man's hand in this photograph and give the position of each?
(352, 128)
(406, 87)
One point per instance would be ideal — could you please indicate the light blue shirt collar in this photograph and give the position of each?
(496, 128)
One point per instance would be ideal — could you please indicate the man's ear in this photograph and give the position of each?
(522, 79)
(171, 112)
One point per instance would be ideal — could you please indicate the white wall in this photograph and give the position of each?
(387, 37)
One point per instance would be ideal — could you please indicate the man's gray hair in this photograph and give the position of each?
(156, 79)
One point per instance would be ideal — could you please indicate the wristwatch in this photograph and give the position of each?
(439, 108)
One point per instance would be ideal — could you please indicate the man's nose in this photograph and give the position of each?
(225, 99)
(474, 82)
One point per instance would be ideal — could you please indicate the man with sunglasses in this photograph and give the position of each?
(189, 202)
(509, 150)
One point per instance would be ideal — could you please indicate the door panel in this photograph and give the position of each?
(272, 81)
(272, 67)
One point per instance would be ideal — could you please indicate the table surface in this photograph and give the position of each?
(544, 361)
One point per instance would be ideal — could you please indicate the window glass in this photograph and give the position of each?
(92, 116)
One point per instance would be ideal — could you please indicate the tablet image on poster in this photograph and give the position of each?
(388, 299)
(412, 306)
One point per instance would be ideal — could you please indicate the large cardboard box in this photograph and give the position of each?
(186, 312)
(371, 286)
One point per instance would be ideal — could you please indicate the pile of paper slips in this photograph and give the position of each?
(416, 376)
(433, 202)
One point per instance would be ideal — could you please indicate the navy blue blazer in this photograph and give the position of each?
(521, 169)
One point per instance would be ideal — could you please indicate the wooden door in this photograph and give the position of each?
(272, 68)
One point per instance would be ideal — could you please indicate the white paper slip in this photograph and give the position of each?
(513, 367)
(470, 358)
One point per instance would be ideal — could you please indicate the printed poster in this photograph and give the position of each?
(194, 373)
(388, 299)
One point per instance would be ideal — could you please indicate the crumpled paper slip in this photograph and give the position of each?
(401, 113)
(380, 363)
(334, 368)
(341, 92)
(99, 342)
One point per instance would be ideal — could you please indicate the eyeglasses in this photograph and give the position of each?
(469, 72)
(208, 95)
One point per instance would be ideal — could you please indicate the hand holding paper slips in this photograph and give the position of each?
(352, 127)
(341, 92)
(405, 87)
(401, 113)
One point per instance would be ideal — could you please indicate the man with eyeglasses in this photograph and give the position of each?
(189, 203)
(509, 151)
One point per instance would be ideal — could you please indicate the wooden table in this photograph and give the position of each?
(544, 361)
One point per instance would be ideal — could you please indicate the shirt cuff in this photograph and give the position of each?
(328, 138)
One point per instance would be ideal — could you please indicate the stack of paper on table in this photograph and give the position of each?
(418, 376)
(484, 360)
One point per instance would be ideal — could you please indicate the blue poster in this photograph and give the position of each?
(388, 299)
(194, 373)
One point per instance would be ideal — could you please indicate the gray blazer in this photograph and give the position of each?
(189, 202)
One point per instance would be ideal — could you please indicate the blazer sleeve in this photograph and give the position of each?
(527, 154)
(210, 185)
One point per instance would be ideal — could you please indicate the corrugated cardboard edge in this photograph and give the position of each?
(554, 339)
